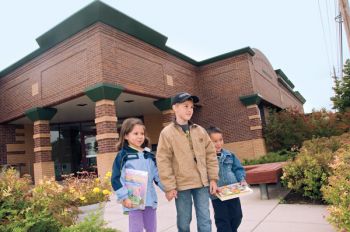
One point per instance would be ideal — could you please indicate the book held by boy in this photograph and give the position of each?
(231, 191)
(136, 183)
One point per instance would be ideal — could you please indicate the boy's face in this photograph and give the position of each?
(218, 141)
(183, 111)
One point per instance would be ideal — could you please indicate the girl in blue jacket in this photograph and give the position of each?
(134, 154)
(228, 214)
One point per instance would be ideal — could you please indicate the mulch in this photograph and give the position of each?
(296, 198)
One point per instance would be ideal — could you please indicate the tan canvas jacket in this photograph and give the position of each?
(179, 166)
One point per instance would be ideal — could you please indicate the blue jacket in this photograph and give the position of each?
(230, 169)
(133, 159)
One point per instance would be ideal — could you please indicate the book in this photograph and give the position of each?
(136, 183)
(231, 191)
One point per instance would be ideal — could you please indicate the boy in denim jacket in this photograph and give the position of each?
(227, 214)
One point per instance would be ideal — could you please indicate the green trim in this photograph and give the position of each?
(180, 55)
(39, 113)
(285, 78)
(103, 91)
(299, 96)
(227, 55)
(100, 12)
(253, 99)
(163, 104)
(296, 94)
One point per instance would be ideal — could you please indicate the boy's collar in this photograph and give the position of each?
(190, 123)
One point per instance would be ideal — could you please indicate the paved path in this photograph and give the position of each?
(258, 215)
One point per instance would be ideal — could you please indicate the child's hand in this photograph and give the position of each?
(244, 183)
(127, 203)
(171, 194)
(213, 187)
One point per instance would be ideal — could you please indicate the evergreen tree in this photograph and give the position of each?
(341, 100)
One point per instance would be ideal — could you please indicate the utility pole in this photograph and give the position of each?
(345, 15)
(339, 19)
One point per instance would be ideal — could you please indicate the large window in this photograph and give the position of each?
(74, 147)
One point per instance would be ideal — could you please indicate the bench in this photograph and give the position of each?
(264, 174)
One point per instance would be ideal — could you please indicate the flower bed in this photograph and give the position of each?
(49, 205)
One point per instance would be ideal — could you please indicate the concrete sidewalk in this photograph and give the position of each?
(258, 215)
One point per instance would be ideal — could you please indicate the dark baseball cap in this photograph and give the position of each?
(182, 97)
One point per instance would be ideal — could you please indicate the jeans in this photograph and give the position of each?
(227, 214)
(184, 209)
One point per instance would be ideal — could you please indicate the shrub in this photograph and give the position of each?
(91, 223)
(51, 197)
(337, 192)
(309, 171)
(14, 195)
(271, 157)
(48, 206)
(288, 129)
(88, 190)
(285, 129)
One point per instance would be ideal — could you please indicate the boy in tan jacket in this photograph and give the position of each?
(187, 164)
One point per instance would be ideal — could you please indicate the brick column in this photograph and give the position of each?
(43, 165)
(104, 95)
(255, 124)
(164, 105)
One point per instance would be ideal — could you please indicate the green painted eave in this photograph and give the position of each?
(98, 11)
(300, 97)
(296, 94)
(227, 55)
(39, 113)
(285, 78)
(163, 104)
(103, 91)
(253, 99)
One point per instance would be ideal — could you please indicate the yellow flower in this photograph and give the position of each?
(106, 192)
(71, 190)
(96, 190)
(97, 180)
(82, 198)
(108, 174)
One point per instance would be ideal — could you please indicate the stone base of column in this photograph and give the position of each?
(248, 149)
(43, 169)
(105, 163)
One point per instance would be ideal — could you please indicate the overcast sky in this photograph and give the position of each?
(297, 36)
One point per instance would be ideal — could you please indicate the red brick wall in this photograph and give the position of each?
(265, 83)
(141, 68)
(61, 73)
(99, 53)
(102, 54)
(288, 99)
(7, 136)
(221, 85)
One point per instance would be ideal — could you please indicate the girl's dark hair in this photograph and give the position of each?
(213, 129)
(127, 127)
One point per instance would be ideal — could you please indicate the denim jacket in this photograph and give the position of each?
(133, 159)
(230, 169)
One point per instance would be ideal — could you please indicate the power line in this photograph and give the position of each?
(330, 33)
(324, 37)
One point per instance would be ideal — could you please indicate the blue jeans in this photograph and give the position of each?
(184, 209)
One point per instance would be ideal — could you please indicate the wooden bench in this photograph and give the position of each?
(264, 174)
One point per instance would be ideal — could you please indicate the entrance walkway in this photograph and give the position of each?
(259, 215)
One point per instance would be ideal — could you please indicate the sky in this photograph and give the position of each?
(297, 36)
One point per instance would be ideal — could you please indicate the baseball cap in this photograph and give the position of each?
(182, 97)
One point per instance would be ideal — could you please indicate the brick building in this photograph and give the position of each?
(61, 105)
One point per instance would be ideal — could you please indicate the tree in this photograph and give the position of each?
(341, 100)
